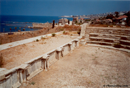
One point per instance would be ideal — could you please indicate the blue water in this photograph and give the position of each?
(22, 22)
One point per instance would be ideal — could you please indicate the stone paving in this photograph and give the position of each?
(86, 67)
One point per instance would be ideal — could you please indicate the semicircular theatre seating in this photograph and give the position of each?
(110, 37)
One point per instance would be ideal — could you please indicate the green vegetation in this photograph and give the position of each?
(43, 38)
(63, 32)
(78, 32)
(32, 83)
(117, 45)
(61, 29)
(37, 40)
(53, 35)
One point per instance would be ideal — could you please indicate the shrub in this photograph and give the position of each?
(117, 45)
(1, 60)
(43, 37)
(78, 32)
(53, 35)
(63, 32)
(37, 40)
(32, 83)
(61, 29)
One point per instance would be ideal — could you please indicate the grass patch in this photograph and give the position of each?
(32, 83)
(96, 57)
(78, 32)
(61, 29)
(92, 55)
(37, 40)
(82, 69)
(43, 38)
(117, 45)
(63, 32)
(53, 35)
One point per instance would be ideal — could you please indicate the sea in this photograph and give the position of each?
(16, 23)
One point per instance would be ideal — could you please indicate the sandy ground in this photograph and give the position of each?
(16, 56)
(86, 67)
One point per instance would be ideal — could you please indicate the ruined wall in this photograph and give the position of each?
(42, 25)
(15, 77)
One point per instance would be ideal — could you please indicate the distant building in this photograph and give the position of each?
(122, 19)
(75, 19)
(63, 21)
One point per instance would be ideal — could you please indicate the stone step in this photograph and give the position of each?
(125, 46)
(34, 73)
(125, 42)
(102, 39)
(110, 47)
(109, 35)
(125, 37)
(101, 43)
(94, 34)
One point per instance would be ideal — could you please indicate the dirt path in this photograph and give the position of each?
(16, 56)
(86, 67)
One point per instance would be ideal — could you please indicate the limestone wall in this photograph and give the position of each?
(17, 76)
(42, 25)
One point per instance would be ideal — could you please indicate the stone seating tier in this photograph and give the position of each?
(109, 39)
(99, 42)
(102, 39)
(116, 31)
(125, 42)
(122, 37)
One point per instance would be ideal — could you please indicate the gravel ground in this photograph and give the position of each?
(16, 56)
(86, 67)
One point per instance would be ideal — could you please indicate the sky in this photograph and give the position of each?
(61, 7)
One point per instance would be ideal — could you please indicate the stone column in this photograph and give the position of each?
(46, 58)
(23, 72)
(53, 25)
(58, 51)
(83, 28)
(70, 46)
(76, 42)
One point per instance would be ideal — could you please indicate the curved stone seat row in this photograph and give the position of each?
(123, 37)
(102, 39)
(99, 42)
(110, 47)
(115, 31)
(109, 39)
(14, 77)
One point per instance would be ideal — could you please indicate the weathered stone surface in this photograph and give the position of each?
(23, 66)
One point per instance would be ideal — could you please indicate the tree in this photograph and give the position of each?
(117, 14)
(109, 16)
(128, 18)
